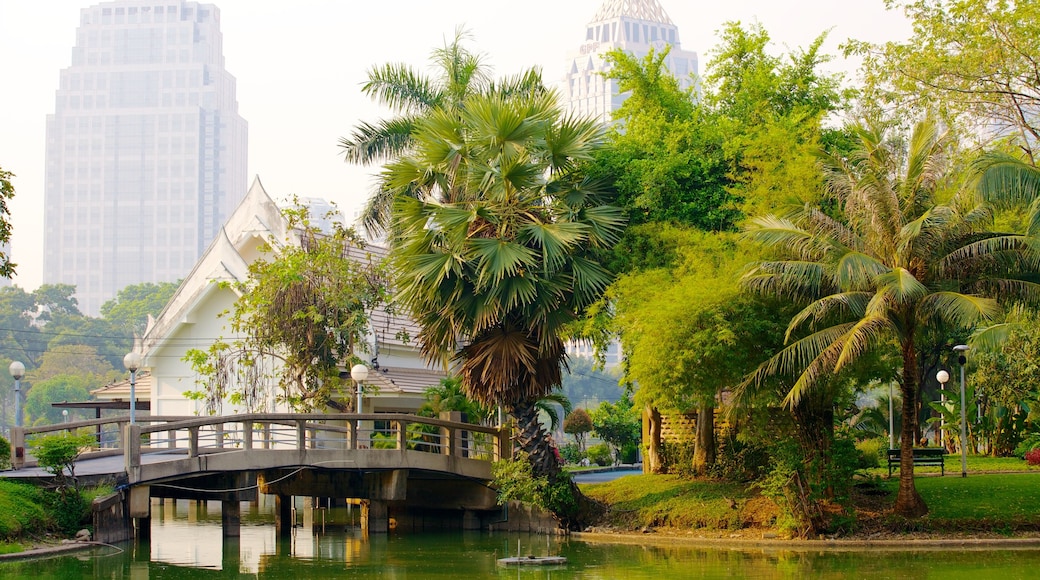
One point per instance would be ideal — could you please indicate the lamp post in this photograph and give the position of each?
(960, 349)
(132, 362)
(64, 415)
(942, 376)
(891, 418)
(359, 373)
(17, 371)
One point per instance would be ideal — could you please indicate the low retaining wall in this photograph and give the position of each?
(521, 517)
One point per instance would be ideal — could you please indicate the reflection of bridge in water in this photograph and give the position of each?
(413, 472)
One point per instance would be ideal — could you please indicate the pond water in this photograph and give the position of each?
(186, 543)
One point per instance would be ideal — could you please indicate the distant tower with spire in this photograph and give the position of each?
(634, 26)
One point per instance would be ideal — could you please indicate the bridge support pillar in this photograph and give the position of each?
(283, 522)
(231, 518)
(375, 518)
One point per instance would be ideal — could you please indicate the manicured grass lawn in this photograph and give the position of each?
(976, 464)
(668, 500)
(1012, 497)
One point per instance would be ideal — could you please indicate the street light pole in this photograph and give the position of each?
(359, 373)
(942, 376)
(17, 371)
(960, 349)
(132, 362)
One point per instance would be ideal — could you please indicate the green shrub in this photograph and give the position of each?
(599, 454)
(677, 457)
(1031, 442)
(515, 481)
(871, 452)
(5, 453)
(572, 453)
(740, 461)
(58, 453)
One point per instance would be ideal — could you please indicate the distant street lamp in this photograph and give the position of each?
(891, 418)
(942, 376)
(359, 373)
(17, 371)
(961, 349)
(64, 415)
(132, 362)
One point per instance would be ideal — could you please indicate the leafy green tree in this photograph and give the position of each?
(891, 264)
(496, 229)
(55, 300)
(665, 158)
(618, 424)
(134, 304)
(6, 195)
(306, 304)
(972, 60)
(578, 424)
(55, 390)
(412, 96)
(690, 332)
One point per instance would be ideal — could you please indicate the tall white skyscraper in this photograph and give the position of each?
(146, 151)
(633, 26)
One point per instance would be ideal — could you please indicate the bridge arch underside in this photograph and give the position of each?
(418, 490)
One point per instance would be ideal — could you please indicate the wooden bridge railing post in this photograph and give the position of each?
(132, 450)
(503, 447)
(17, 447)
(193, 441)
(402, 436)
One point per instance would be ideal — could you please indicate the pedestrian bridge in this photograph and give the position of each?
(389, 462)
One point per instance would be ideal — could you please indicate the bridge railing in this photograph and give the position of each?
(107, 436)
(346, 431)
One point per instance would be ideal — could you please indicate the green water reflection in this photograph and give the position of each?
(188, 544)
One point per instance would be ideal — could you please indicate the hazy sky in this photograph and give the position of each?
(300, 65)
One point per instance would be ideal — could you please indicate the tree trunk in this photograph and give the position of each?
(909, 503)
(704, 453)
(573, 510)
(652, 462)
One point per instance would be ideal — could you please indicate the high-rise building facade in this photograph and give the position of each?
(146, 151)
(634, 26)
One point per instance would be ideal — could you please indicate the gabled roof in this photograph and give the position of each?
(120, 391)
(257, 218)
(648, 10)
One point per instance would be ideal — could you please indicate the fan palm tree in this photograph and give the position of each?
(412, 95)
(890, 265)
(494, 226)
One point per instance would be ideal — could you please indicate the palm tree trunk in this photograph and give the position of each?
(909, 503)
(568, 504)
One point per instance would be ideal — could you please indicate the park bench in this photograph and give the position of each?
(922, 456)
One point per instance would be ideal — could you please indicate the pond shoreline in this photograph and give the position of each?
(895, 543)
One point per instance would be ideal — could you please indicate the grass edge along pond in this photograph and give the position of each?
(995, 504)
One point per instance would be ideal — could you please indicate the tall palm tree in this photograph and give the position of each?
(412, 95)
(891, 264)
(493, 233)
